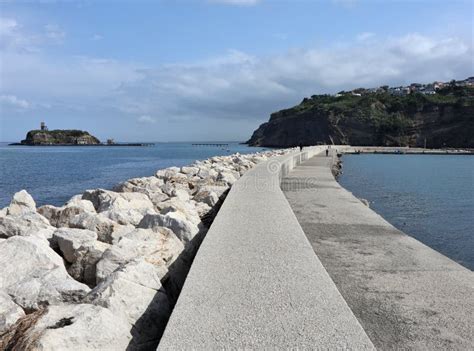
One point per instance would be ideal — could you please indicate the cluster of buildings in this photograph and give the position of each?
(427, 89)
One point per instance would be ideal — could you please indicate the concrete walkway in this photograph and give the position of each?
(256, 283)
(404, 294)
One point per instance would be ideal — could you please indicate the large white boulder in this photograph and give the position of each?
(75, 327)
(159, 247)
(189, 170)
(144, 185)
(184, 229)
(27, 224)
(10, 312)
(226, 177)
(34, 275)
(209, 197)
(21, 203)
(62, 216)
(80, 248)
(74, 243)
(108, 231)
(202, 209)
(123, 208)
(175, 204)
(134, 292)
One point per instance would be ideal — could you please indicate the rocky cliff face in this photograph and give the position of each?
(445, 119)
(59, 137)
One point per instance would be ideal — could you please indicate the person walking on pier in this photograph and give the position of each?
(301, 147)
(327, 152)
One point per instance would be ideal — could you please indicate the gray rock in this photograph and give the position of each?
(133, 292)
(189, 170)
(167, 173)
(226, 177)
(202, 209)
(159, 247)
(34, 275)
(108, 231)
(184, 229)
(27, 224)
(10, 312)
(207, 196)
(174, 204)
(123, 208)
(181, 194)
(62, 216)
(80, 248)
(74, 328)
(21, 203)
(74, 243)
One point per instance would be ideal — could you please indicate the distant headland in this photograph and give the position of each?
(68, 137)
(435, 115)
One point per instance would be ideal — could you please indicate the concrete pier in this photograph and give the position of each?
(256, 282)
(404, 294)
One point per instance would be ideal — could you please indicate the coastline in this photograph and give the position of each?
(77, 145)
(123, 256)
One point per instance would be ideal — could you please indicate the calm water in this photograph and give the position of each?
(428, 197)
(53, 174)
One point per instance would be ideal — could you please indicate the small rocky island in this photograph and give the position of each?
(67, 137)
(43, 136)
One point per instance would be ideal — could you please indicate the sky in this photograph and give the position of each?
(207, 70)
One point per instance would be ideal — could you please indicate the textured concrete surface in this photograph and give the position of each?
(256, 282)
(405, 295)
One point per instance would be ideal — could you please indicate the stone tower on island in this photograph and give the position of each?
(43, 126)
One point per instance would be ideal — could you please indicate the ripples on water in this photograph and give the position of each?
(54, 174)
(429, 197)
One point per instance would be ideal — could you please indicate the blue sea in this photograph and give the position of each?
(426, 196)
(53, 174)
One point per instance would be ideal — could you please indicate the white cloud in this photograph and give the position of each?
(365, 36)
(236, 2)
(146, 119)
(14, 38)
(97, 37)
(13, 101)
(54, 32)
(239, 86)
(7, 26)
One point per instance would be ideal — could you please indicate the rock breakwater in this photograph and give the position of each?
(103, 271)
